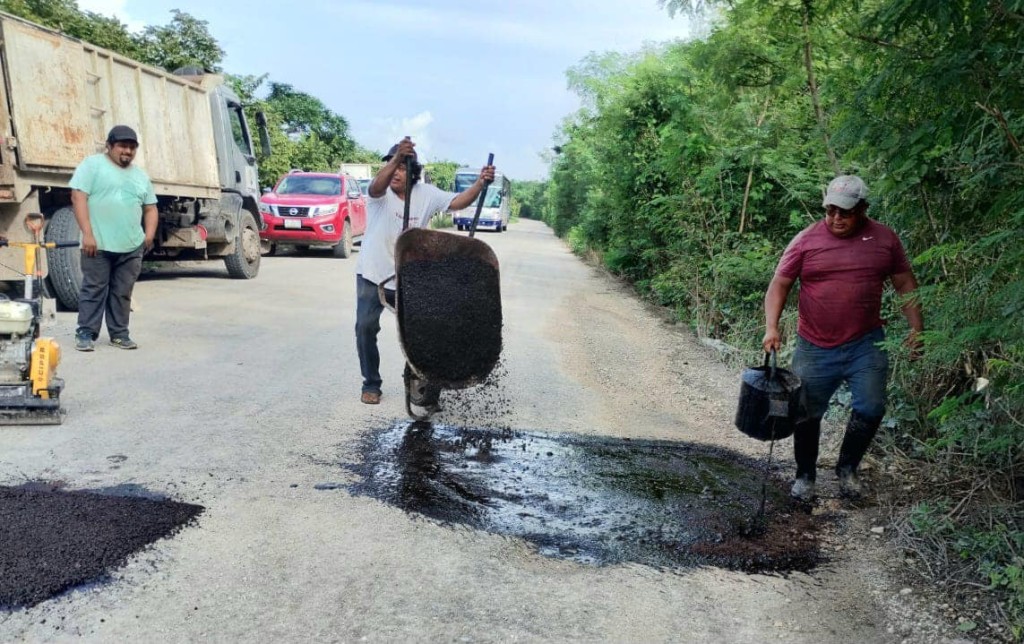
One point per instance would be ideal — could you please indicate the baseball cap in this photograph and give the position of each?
(122, 133)
(845, 191)
(393, 151)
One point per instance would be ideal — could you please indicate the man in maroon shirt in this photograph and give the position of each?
(842, 263)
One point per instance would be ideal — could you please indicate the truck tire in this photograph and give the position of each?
(344, 247)
(65, 264)
(244, 263)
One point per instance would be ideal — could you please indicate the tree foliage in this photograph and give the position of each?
(184, 42)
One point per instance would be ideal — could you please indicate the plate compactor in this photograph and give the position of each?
(29, 386)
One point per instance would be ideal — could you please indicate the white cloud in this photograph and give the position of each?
(115, 8)
(385, 132)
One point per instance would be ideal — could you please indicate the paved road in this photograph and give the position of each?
(245, 395)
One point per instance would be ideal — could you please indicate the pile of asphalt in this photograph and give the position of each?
(450, 318)
(52, 540)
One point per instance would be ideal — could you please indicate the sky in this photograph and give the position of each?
(461, 78)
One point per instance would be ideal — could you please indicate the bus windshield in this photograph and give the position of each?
(463, 181)
(493, 199)
(494, 196)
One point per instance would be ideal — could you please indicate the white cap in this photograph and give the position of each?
(845, 191)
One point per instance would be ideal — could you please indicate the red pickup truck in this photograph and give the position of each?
(314, 209)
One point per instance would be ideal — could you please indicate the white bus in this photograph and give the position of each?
(496, 211)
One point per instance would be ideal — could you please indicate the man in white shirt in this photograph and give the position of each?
(385, 210)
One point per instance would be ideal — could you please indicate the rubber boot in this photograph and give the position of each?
(860, 431)
(806, 436)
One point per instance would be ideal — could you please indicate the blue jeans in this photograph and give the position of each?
(860, 362)
(368, 310)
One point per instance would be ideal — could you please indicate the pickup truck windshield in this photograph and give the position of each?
(295, 185)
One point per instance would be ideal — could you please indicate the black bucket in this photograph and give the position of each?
(769, 405)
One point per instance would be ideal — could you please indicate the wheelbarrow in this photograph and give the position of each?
(448, 307)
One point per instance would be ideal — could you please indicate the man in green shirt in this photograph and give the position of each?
(115, 206)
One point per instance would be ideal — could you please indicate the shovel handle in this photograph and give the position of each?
(480, 201)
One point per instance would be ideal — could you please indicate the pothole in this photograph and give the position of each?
(595, 500)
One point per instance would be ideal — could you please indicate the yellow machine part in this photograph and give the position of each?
(43, 368)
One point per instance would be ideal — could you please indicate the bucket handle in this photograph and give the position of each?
(771, 362)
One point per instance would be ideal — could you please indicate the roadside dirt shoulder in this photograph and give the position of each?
(655, 379)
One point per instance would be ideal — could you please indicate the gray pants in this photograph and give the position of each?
(107, 282)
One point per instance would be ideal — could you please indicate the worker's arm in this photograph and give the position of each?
(380, 182)
(465, 198)
(905, 285)
(149, 221)
(774, 302)
(80, 204)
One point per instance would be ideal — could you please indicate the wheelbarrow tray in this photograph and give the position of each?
(448, 306)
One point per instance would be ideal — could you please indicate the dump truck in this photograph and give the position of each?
(60, 97)
(357, 170)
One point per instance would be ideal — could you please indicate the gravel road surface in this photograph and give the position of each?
(244, 398)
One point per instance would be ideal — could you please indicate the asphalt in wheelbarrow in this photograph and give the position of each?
(450, 316)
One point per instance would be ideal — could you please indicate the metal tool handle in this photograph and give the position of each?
(480, 201)
(408, 192)
(383, 297)
(771, 361)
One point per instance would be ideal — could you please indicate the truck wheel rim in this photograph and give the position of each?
(250, 244)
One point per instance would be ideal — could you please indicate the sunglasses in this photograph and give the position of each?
(841, 213)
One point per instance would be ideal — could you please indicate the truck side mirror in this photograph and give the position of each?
(267, 191)
(261, 124)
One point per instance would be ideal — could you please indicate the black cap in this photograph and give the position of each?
(393, 151)
(122, 133)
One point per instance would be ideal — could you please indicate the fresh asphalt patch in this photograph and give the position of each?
(591, 499)
(53, 540)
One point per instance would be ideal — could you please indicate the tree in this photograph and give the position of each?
(305, 115)
(66, 17)
(184, 42)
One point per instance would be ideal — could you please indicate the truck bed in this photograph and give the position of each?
(65, 95)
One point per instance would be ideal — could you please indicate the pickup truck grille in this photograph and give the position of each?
(292, 211)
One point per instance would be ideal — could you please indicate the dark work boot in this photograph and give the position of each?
(806, 436)
(421, 393)
(860, 430)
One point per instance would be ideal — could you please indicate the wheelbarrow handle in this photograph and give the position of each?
(382, 294)
(480, 201)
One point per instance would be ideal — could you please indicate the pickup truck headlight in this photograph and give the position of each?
(266, 209)
(325, 210)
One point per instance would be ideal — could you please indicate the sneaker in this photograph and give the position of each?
(803, 490)
(123, 343)
(849, 485)
(370, 398)
(84, 343)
